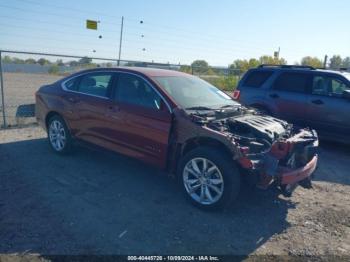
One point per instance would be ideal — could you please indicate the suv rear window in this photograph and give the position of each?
(292, 82)
(257, 78)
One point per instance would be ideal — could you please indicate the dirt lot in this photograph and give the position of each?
(19, 89)
(103, 203)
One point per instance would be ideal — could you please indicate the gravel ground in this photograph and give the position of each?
(94, 202)
(19, 89)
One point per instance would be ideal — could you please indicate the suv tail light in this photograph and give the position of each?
(236, 94)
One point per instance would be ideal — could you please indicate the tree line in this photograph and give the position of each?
(44, 61)
(202, 66)
(240, 66)
(225, 78)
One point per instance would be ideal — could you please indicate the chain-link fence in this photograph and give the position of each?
(22, 73)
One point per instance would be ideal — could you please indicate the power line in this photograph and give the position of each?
(143, 41)
(53, 23)
(47, 13)
(184, 33)
(71, 9)
(155, 26)
(145, 29)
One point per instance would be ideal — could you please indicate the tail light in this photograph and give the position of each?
(236, 94)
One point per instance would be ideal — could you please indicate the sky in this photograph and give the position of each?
(178, 31)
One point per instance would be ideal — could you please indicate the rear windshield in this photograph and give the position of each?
(257, 78)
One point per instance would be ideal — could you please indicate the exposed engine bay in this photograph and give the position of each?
(247, 127)
(269, 145)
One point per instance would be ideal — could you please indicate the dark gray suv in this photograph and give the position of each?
(300, 94)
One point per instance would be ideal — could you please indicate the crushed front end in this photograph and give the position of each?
(281, 154)
(270, 150)
(288, 161)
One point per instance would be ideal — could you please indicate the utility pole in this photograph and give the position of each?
(121, 39)
(2, 92)
(276, 54)
(325, 61)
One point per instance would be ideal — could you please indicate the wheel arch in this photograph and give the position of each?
(204, 142)
(51, 114)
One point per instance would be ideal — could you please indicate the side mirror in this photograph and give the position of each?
(346, 94)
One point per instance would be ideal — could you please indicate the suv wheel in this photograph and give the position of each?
(210, 179)
(59, 135)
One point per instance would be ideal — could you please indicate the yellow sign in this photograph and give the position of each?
(91, 24)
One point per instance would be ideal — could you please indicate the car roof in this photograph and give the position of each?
(150, 72)
(292, 68)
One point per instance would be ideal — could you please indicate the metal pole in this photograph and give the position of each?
(121, 39)
(325, 61)
(2, 92)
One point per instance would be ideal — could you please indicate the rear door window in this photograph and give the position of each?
(292, 82)
(95, 84)
(257, 78)
(72, 84)
(134, 90)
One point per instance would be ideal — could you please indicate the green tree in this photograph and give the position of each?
(265, 59)
(30, 61)
(253, 63)
(335, 62)
(200, 66)
(16, 60)
(73, 63)
(311, 61)
(7, 59)
(240, 66)
(346, 62)
(59, 62)
(186, 69)
(85, 60)
(43, 61)
(227, 83)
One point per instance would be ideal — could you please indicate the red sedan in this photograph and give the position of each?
(180, 123)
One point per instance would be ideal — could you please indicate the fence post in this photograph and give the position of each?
(2, 91)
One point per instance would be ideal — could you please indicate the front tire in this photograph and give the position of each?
(59, 136)
(209, 178)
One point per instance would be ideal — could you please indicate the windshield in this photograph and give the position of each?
(194, 93)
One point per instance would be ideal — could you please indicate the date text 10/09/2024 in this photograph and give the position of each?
(173, 258)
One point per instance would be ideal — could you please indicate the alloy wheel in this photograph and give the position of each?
(203, 181)
(57, 135)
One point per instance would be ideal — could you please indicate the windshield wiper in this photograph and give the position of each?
(199, 108)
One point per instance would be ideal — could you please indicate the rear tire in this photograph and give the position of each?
(59, 136)
(209, 178)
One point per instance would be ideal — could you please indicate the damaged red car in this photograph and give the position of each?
(179, 123)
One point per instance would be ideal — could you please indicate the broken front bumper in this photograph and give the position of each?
(288, 162)
(289, 176)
